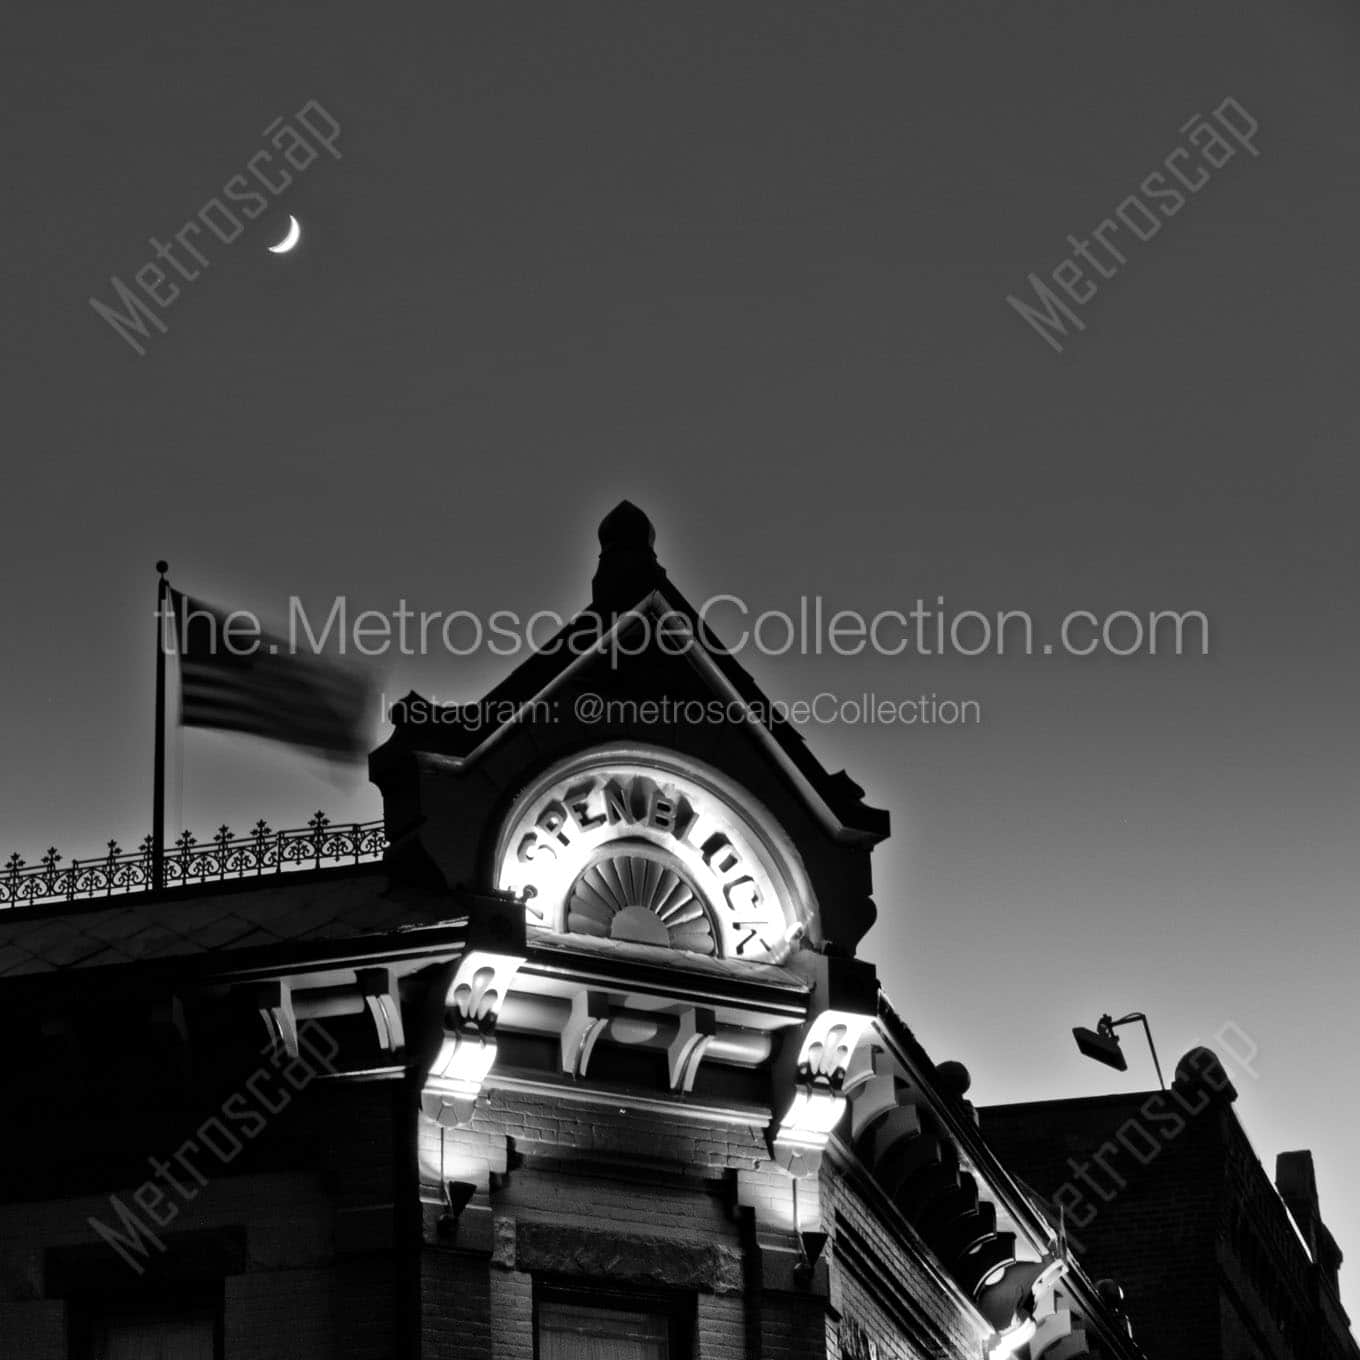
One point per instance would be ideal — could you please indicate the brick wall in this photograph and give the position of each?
(456, 1306)
(34, 1329)
(302, 1288)
(596, 1195)
(720, 1327)
(882, 1288)
(348, 1256)
(646, 1135)
(1141, 1181)
(1164, 1193)
(674, 1201)
(269, 1314)
(512, 1313)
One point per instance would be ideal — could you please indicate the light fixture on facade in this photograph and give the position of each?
(457, 1196)
(1102, 1043)
(1014, 1293)
(1003, 1345)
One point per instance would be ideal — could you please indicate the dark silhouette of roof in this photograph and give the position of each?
(628, 578)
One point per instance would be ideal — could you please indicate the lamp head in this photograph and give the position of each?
(1102, 1044)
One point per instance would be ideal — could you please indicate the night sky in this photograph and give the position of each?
(747, 266)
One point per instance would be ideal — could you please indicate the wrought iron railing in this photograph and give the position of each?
(189, 860)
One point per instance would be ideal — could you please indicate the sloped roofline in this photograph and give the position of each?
(835, 799)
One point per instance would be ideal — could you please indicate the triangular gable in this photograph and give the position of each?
(835, 798)
(456, 778)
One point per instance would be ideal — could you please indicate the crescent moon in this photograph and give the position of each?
(290, 240)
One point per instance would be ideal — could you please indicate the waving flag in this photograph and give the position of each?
(244, 680)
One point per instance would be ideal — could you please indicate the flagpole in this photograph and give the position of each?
(158, 788)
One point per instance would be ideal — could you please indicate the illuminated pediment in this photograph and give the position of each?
(630, 841)
(636, 844)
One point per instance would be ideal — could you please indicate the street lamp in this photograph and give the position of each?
(1102, 1043)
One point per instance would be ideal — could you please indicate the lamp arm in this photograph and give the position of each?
(1131, 1018)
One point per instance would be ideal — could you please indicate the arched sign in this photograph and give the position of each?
(636, 844)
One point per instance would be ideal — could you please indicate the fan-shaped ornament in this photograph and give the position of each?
(637, 893)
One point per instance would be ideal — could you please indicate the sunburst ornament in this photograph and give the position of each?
(637, 893)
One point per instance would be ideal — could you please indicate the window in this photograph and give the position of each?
(576, 1321)
(167, 1335)
(171, 1311)
(170, 1324)
(568, 1331)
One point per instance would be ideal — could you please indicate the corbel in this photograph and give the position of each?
(467, 1049)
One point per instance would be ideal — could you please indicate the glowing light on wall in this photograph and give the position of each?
(1010, 1341)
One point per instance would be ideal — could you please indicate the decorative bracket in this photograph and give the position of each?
(1017, 1294)
(874, 1091)
(274, 1001)
(379, 990)
(587, 1021)
(829, 1042)
(694, 1032)
(1060, 1329)
(1013, 1303)
(468, 1048)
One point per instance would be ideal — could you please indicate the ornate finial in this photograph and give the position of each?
(162, 566)
(628, 569)
(626, 527)
(1200, 1068)
(955, 1078)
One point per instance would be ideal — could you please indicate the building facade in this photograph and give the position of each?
(1162, 1190)
(584, 1063)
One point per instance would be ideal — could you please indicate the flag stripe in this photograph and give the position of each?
(274, 692)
